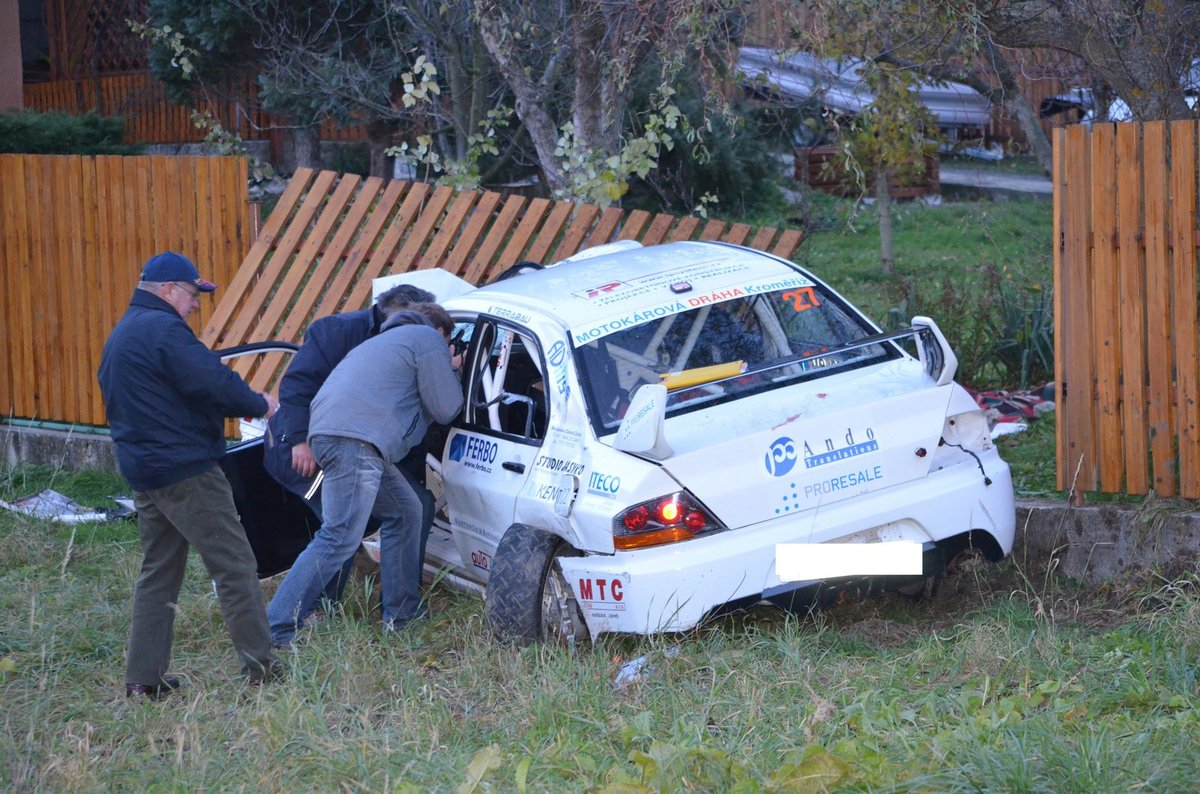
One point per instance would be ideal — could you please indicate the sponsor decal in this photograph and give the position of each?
(557, 354)
(605, 485)
(603, 289)
(774, 286)
(602, 594)
(473, 452)
(565, 437)
(509, 314)
(558, 360)
(844, 482)
(467, 525)
(612, 325)
(830, 452)
(717, 296)
(548, 492)
(781, 456)
(784, 451)
(481, 559)
(628, 321)
(559, 466)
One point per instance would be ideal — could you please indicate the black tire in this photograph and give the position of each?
(526, 592)
(923, 589)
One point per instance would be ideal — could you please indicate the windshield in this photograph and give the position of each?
(721, 351)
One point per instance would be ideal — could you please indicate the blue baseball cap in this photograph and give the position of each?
(170, 266)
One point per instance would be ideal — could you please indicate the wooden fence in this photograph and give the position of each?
(1126, 344)
(330, 235)
(74, 232)
(149, 117)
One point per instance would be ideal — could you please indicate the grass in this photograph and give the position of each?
(959, 241)
(1019, 164)
(1008, 680)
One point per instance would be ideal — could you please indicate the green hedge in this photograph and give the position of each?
(31, 132)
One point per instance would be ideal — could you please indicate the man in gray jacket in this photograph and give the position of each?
(375, 406)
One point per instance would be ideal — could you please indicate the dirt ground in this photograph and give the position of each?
(889, 620)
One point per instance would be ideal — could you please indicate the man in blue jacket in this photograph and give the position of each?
(167, 396)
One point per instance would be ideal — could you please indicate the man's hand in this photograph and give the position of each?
(303, 461)
(272, 404)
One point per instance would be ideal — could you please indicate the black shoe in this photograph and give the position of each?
(274, 672)
(154, 691)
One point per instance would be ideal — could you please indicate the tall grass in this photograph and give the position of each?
(1008, 680)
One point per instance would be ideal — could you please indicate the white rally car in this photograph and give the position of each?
(647, 430)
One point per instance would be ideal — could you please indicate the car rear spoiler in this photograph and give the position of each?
(642, 430)
(932, 348)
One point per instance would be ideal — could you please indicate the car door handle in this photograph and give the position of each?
(513, 465)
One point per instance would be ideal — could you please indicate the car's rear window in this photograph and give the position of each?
(724, 350)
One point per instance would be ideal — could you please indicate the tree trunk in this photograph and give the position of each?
(529, 95)
(1013, 98)
(883, 204)
(308, 147)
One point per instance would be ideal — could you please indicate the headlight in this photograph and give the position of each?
(667, 519)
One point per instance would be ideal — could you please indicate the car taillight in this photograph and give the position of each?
(667, 519)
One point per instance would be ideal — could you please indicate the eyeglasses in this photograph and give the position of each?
(192, 292)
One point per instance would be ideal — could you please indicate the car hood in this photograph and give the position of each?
(796, 449)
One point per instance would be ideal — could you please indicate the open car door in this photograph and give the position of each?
(278, 523)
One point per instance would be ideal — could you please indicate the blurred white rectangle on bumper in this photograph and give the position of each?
(798, 562)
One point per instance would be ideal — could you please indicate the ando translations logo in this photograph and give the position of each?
(781, 456)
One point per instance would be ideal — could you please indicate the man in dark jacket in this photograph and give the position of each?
(287, 456)
(375, 406)
(167, 397)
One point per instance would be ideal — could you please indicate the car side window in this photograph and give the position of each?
(507, 383)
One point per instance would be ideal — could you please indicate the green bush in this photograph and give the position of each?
(738, 164)
(1001, 326)
(350, 158)
(31, 132)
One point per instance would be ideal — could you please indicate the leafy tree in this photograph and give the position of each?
(736, 168)
(894, 42)
(345, 60)
(1145, 52)
(570, 64)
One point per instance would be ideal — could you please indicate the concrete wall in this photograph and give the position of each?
(1098, 543)
(57, 448)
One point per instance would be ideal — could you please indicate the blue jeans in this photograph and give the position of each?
(358, 484)
(408, 467)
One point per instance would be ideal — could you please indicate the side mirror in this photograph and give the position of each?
(934, 351)
(641, 430)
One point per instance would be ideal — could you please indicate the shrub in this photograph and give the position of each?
(1001, 327)
(31, 132)
(738, 166)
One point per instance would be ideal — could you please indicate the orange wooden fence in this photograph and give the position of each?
(330, 235)
(1127, 344)
(74, 232)
(150, 118)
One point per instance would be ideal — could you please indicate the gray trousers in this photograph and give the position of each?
(199, 512)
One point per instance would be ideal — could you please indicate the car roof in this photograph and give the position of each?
(596, 293)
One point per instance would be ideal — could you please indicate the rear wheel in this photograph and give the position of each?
(528, 599)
